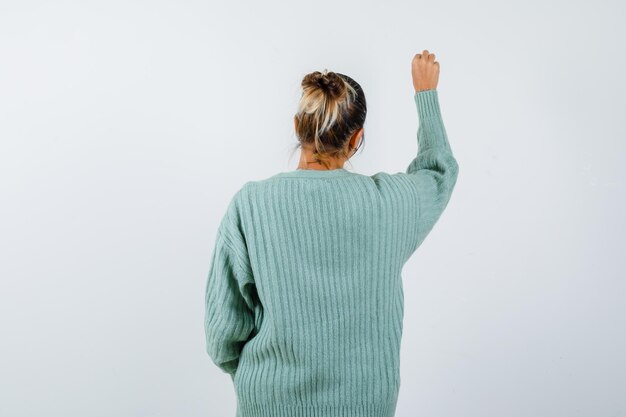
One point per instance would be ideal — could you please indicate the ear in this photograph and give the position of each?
(356, 138)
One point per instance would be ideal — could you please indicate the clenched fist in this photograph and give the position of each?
(425, 71)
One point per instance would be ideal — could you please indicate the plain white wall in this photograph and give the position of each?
(127, 126)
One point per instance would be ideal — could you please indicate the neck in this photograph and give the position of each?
(308, 162)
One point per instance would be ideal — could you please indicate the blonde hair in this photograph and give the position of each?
(331, 109)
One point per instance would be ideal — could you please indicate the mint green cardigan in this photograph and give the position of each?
(304, 302)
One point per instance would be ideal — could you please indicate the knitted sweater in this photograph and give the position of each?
(304, 299)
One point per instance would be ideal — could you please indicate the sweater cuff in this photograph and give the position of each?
(427, 102)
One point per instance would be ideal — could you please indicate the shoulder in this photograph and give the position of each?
(242, 199)
(238, 198)
(234, 208)
(241, 208)
(250, 189)
(399, 181)
(246, 191)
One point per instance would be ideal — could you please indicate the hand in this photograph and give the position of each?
(425, 71)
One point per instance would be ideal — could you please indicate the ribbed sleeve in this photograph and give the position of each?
(434, 170)
(229, 306)
(304, 299)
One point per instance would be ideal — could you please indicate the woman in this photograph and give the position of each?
(304, 300)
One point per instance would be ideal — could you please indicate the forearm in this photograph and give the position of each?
(434, 170)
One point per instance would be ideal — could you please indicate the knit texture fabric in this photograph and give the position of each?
(304, 303)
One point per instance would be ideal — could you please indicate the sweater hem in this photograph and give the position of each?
(316, 410)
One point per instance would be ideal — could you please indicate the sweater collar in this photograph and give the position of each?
(315, 173)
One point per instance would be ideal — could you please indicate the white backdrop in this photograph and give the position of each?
(127, 126)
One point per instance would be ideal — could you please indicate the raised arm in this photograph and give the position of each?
(434, 170)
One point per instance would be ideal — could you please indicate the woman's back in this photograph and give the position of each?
(325, 250)
(304, 297)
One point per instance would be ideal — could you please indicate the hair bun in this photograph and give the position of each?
(329, 82)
